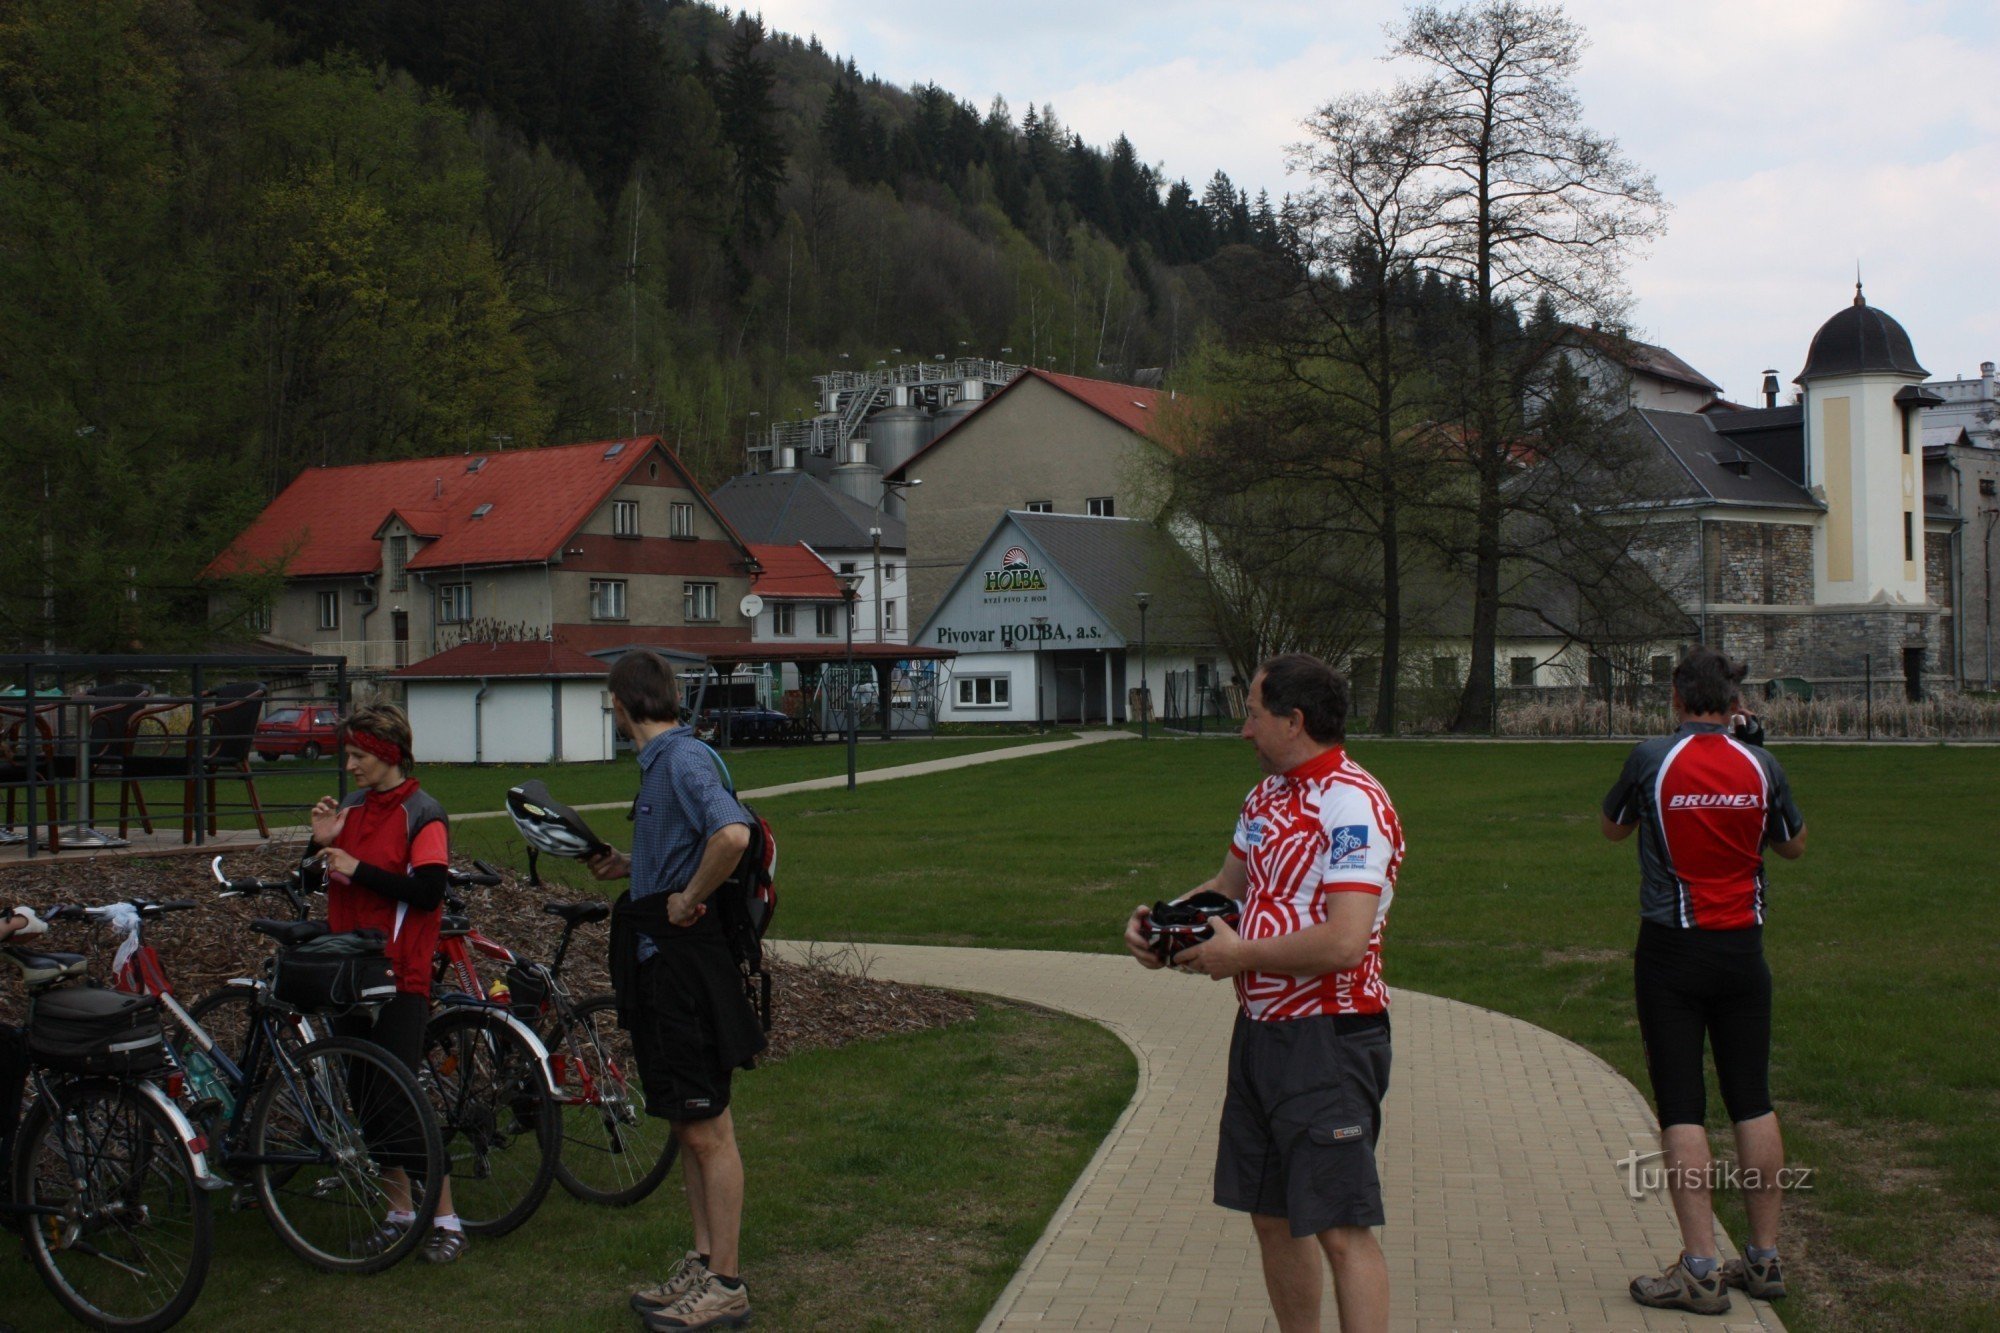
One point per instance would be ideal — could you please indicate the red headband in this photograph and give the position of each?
(387, 751)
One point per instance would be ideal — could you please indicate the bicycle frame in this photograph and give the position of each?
(454, 959)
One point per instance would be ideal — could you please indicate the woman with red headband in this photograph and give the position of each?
(388, 848)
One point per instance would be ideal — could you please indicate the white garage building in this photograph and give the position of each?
(508, 703)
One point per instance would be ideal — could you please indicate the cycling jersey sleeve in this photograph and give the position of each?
(1358, 849)
(1621, 803)
(1783, 821)
(432, 845)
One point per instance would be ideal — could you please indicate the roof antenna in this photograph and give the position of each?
(1858, 298)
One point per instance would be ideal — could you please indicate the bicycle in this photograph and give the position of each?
(110, 1178)
(301, 1114)
(488, 1077)
(611, 1152)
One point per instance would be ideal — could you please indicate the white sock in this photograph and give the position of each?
(401, 1217)
(450, 1222)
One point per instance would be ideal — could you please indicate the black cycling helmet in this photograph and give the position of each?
(1171, 927)
(549, 825)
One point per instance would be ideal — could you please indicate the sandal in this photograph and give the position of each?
(445, 1245)
(378, 1241)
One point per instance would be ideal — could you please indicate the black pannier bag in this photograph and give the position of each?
(333, 974)
(526, 990)
(89, 1030)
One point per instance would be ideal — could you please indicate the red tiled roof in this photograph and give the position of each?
(470, 661)
(1136, 409)
(328, 521)
(794, 573)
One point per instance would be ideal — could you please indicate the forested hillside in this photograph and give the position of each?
(242, 237)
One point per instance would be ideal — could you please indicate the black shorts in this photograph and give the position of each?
(695, 1027)
(1300, 1120)
(1701, 988)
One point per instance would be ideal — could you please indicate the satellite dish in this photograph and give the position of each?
(750, 605)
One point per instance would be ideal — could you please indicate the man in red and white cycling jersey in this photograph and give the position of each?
(1706, 805)
(1313, 864)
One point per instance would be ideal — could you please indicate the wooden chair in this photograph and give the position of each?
(229, 716)
(15, 739)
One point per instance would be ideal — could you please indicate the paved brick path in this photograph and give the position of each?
(1507, 1207)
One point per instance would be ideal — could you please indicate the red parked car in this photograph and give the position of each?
(307, 732)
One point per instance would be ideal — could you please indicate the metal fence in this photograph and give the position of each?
(79, 731)
(1200, 702)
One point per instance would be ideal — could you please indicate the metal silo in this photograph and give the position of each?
(896, 434)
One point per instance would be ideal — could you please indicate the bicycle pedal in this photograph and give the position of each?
(245, 1200)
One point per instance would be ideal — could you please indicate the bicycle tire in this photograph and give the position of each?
(329, 1208)
(613, 1153)
(140, 1266)
(501, 1135)
(227, 1014)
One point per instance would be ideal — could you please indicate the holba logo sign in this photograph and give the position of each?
(1014, 574)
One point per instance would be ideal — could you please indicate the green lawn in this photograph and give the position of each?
(1882, 940)
(893, 1184)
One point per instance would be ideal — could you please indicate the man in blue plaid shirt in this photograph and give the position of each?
(693, 1025)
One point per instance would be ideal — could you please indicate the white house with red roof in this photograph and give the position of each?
(1046, 444)
(588, 545)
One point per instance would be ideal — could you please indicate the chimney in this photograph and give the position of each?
(1770, 388)
(1986, 381)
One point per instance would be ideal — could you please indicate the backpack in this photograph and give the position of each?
(748, 900)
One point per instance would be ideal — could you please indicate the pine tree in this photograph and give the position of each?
(746, 100)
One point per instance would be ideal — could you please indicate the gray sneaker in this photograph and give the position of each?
(1678, 1289)
(1765, 1281)
(689, 1272)
(707, 1304)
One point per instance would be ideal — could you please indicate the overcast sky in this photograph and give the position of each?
(1793, 137)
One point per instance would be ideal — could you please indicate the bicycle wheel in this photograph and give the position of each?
(228, 1012)
(500, 1131)
(612, 1151)
(129, 1245)
(339, 1134)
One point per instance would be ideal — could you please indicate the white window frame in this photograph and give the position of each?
(784, 618)
(826, 623)
(258, 618)
(681, 514)
(607, 599)
(888, 615)
(454, 603)
(997, 691)
(329, 608)
(1100, 506)
(698, 603)
(624, 518)
(1040, 506)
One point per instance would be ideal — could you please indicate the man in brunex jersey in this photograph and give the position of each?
(1313, 864)
(1706, 806)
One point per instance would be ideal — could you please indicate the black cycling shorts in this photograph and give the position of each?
(1300, 1120)
(694, 1028)
(1704, 987)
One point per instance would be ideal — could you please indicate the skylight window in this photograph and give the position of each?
(476, 464)
(482, 511)
(615, 450)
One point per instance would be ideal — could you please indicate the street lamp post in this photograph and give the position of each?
(848, 584)
(1145, 694)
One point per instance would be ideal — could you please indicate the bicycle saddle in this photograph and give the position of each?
(45, 969)
(289, 932)
(578, 914)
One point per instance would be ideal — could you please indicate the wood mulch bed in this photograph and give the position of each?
(825, 1001)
